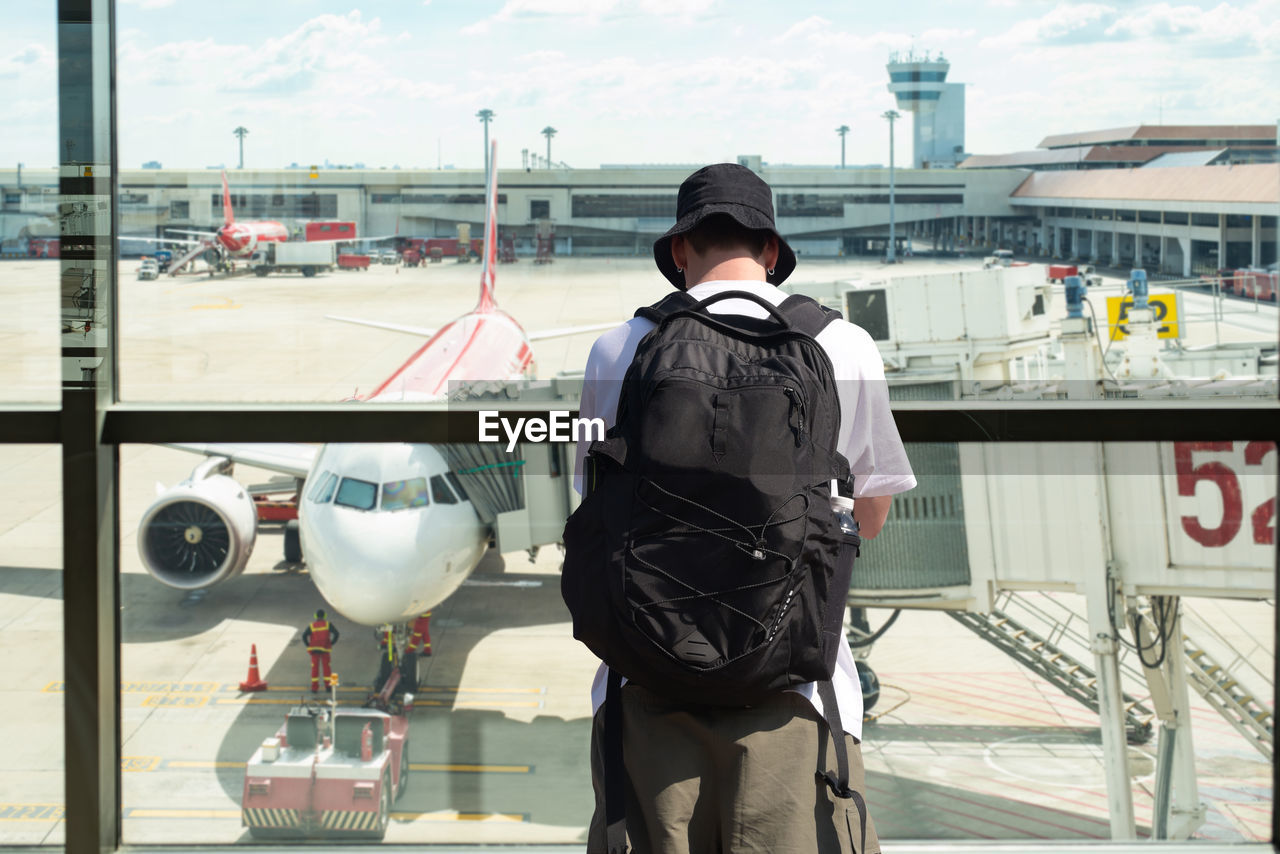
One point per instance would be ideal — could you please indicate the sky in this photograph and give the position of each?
(398, 82)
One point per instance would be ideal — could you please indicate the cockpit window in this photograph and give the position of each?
(323, 490)
(440, 493)
(359, 494)
(403, 494)
(457, 485)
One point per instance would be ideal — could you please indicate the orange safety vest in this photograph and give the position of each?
(320, 637)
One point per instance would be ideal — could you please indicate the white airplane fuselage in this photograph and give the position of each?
(385, 533)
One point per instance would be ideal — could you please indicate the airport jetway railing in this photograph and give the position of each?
(1220, 689)
(1049, 653)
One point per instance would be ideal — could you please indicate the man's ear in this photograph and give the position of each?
(680, 252)
(771, 252)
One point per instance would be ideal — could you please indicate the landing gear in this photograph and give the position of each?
(403, 664)
(292, 542)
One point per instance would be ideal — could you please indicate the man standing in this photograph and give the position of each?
(702, 778)
(420, 635)
(319, 638)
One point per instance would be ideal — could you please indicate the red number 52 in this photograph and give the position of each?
(1221, 476)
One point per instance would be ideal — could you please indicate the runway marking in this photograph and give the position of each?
(436, 767)
(470, 769)
(149, 687)
(461, 816)
(32, 812)
(178, 813)
(197, 763)
(137, 812)
(185, 701)
(139, 763)
(214, 306)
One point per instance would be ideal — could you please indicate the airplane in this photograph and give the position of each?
(236, 239)
(387, 530)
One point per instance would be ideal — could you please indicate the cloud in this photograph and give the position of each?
(591, 12)
(149, 4)
(32, 59)
(1063, 25)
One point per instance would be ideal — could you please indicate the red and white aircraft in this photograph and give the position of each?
(240, 239)
(386, 530)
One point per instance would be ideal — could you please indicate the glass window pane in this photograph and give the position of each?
(982, 686)
(402, 494)
(31, 635)
(999, 559)
(29, 209)
(440, 491)
(497, 742)
(359, 494)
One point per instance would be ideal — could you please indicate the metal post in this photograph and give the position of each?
(891, 115)
(1110, 701)
(90, 589)
(843, 130)
(486, 116)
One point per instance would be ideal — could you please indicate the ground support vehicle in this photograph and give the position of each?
(148, 270)
(303, 257)
(351, 261)
(330, 771)
(411, 257)
(389, 256)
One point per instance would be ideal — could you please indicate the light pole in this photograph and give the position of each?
(843, 130)
(486, 116)
(891, 115)
(241, 132)
(548, 132)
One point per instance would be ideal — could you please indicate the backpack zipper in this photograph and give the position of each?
(797, 404)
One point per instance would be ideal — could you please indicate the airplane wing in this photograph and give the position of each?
(291, 459)
(424, 332)
(420, 331)
(178, 240)
(544, 334)
(207, 235)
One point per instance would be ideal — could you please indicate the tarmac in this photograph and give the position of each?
(967, 745)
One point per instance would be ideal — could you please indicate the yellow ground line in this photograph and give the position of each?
(489, 704)
(426, 689)
(482, 704)
(227, 304)
(458, 817)
(136, 812)
(192, 763)
(452, 768)
(469, 769)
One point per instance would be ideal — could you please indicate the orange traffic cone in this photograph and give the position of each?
(255, 681)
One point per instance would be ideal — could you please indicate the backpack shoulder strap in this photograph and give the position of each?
(667, 306)
(807, 315)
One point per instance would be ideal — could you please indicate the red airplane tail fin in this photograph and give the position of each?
(228, 216)
(488, 273)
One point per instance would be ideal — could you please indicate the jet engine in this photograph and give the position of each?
(200, 531)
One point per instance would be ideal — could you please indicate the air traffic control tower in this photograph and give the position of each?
(920, 84)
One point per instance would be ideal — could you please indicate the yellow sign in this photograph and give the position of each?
(1164, 309)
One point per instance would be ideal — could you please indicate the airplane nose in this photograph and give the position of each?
(369, 566)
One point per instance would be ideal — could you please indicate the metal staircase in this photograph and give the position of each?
(187, 257)
(1043, 653)
(1043, 637)
(1238, 707)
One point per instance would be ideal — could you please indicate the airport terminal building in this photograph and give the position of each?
(1176, 220)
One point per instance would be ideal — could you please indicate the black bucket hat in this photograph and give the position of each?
(723, 188)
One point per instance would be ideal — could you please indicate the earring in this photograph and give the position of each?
(679, 269)
(770, 271)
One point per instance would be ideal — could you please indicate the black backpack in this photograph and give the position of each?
(705, 562)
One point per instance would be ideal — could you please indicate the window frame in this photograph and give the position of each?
(91, 424)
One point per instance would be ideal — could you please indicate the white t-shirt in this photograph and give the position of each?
(868, 435)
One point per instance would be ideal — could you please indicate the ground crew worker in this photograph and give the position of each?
(319, 637)
(420, 635)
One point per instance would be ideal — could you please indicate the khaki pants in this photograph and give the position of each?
(705, 780)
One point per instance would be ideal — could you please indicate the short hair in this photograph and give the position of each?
(721, 231)
(319, 613)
